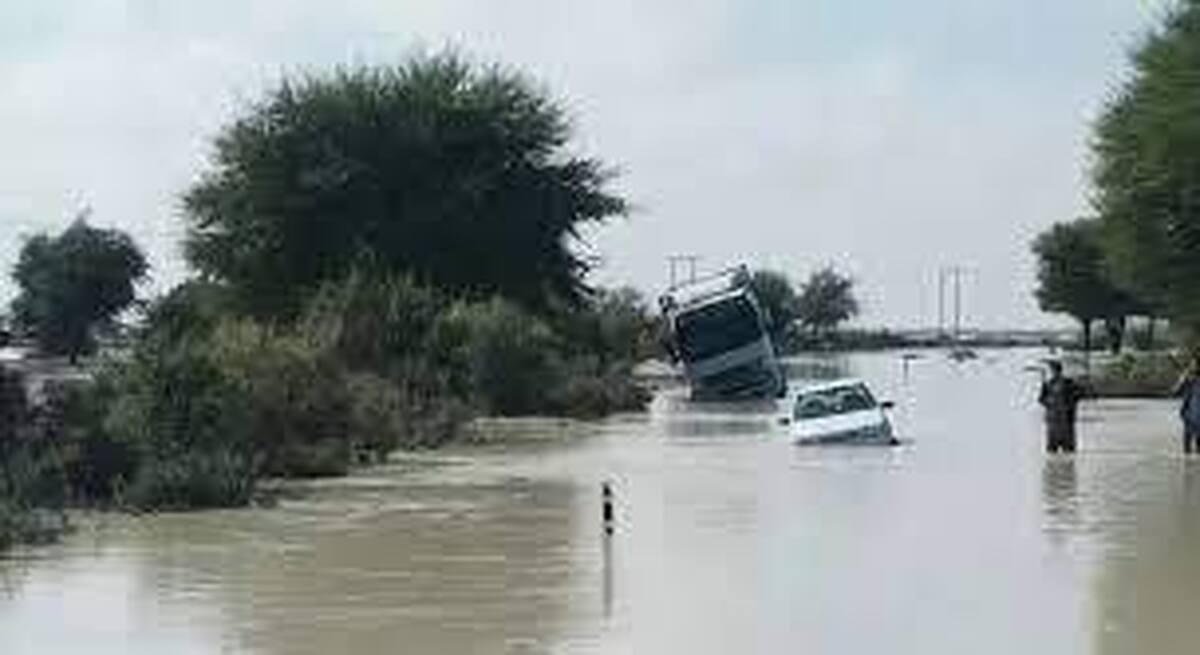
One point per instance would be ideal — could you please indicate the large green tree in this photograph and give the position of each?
(1074, 279)
(826, 300)
(1147, 169)
(458, 175)
(779, 301)
(73, 283)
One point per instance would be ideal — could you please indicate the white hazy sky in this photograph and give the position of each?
(886, 137)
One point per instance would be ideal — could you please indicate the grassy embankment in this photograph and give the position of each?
(1139, 374)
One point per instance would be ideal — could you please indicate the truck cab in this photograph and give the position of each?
(717, 333)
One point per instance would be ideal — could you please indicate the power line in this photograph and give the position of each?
(690, 260)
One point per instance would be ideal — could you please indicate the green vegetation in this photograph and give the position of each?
(194, 416)
(1147, 182)
(1140, 256)
(456, 175)
(779, 301)
(31, 473)
(383, 255)
(1138, 375)
(73, 283)
(826, 301)
(1073, 278)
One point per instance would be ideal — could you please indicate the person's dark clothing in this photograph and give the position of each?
(1189, 412)
(1060, 396)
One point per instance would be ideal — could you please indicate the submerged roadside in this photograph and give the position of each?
(1131, 374)
(204, 406)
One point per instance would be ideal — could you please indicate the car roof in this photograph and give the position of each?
(825, 385)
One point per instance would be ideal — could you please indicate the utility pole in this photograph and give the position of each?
(941, 303)
(955, 274)
(690, 260)
(957, 303)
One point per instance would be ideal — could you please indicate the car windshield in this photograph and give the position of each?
(834, 400)
(711, 330)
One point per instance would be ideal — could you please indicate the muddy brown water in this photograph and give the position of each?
(966, 540)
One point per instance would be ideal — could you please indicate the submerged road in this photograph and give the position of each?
(727, 539)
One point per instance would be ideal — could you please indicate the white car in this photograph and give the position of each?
(842, 411)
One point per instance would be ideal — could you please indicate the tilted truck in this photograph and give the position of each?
(717, 332)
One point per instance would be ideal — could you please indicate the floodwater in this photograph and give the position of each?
(728, 539)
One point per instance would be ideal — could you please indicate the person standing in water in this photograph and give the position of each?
(1060, 396)
(1189, 410)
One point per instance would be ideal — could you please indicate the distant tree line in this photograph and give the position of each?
(806, 315)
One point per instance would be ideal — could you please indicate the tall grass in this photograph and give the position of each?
(1139, 375)
(209, 402)
(32, 480)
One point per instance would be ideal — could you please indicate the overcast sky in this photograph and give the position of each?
(886, 137)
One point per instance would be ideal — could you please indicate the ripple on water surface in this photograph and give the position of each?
(967, 539)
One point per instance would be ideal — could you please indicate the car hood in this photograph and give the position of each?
(837, 424)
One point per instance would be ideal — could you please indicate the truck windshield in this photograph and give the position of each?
(720, 327)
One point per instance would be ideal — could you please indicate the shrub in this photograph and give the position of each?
(374, 323)
(282, 400)
(193, 479)
(32, 485)
(32, 477)
(299, 408)
(614, 327)
(380, 419)
(177, 399)
(591, 389)
(405, 383)
(508, 356)
(186, 418)
(97, 465)
(190, 311)
(1151, 374)
(207, 402)
(12, 523)
(29, 525)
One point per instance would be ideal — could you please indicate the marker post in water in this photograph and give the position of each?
(606, 507)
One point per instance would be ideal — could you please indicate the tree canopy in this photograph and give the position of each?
(72, 283)
(1074, 279)
(455, 174)
(827, 300)
(1147, 169)
(778, 299)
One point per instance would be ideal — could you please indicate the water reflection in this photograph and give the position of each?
(818, 367)
(1149, 586)
(1060, 496)
(1143, 500)
(1191, 485)
(455, 570)
(368, 568)
(727, 540)
(608, 576)
(676, 416)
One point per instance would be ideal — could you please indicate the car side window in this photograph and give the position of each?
(855, 399)
(812, 406)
